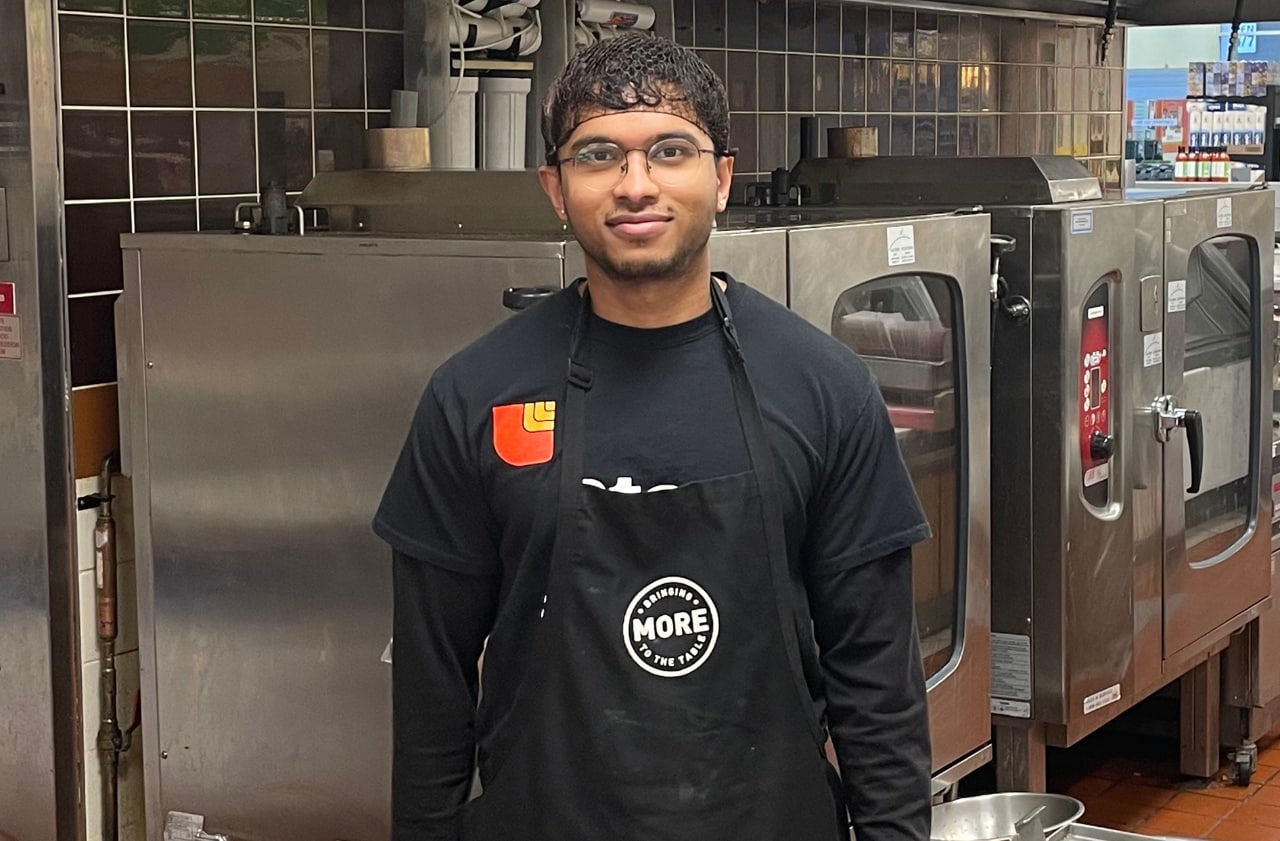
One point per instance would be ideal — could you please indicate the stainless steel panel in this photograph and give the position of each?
(916, 181)
(1269, 643)
(827, 262)
(4, 226)
(40, 738)
(757, 258)
(1208, 584)
(1066, 570)
(1147, 500)
(272, 384)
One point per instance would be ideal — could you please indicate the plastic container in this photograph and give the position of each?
(503, 104)
(453, 136)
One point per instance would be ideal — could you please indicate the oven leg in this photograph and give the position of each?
(1020, 757)
(1201, 698)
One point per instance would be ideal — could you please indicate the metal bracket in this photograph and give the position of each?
(183, 826)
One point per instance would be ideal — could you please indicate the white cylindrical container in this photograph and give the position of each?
(502, 122)
(613, 13)
(453, 136)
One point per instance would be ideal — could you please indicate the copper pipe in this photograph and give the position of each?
(110, 741)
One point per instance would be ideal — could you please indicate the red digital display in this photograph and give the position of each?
(1095, 394)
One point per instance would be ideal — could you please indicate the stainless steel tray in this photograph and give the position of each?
(1084, 832)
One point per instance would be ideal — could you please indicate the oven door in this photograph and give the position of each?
(1218, 270)
(911, 296)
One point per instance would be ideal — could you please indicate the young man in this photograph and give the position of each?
(677, 513)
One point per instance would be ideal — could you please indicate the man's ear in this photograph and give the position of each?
(724, 178)
(549, 178)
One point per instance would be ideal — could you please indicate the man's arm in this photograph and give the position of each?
(434, 514)
(864, 623)
(441, 621)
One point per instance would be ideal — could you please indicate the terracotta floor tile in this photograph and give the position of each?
(1089, 787)
(1264, 774)
(1243, 831)
(1118, 768)
(1117, 815)
(1259, 813)
(1178, 823)
(1269, 795)
(1128, 792)
(1201, 804)
(1232, 792)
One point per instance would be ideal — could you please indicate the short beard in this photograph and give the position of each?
(649, 269)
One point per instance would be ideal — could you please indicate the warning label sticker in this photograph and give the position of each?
(1011, 666)
(10, 337)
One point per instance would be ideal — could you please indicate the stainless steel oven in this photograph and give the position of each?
(910, 294)
(266, 383)
(1105, 567)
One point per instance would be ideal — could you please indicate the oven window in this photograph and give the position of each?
(1218, 381)
(903, 326)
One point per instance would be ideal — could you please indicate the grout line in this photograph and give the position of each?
(185, 109)
(195, 124)
(128, 114)
(257, 141)
(147, 199)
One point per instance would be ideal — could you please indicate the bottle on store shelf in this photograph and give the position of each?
(1223, 163)
(1204, 168)
(1180, 164)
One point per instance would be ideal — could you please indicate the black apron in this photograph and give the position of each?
(664, 698)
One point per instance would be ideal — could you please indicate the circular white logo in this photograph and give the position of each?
(671, 627)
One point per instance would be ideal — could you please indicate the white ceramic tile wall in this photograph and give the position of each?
(132, 826)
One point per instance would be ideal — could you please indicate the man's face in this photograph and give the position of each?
(641, 224)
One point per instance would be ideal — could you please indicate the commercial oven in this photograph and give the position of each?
(267, 383)
(911, 295)
(1116, 568)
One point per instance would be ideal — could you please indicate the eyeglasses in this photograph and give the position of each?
(671, 163)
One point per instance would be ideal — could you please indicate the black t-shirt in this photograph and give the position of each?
(475, 488)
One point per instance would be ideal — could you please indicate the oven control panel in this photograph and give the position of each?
(1097, 445)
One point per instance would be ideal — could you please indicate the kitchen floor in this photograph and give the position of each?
(1127, 776)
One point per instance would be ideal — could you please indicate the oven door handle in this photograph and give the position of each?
(1194, 423)
(1169, 417)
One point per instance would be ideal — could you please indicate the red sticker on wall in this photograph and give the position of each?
(10, 325)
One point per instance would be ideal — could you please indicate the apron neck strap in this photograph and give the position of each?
(580, 374)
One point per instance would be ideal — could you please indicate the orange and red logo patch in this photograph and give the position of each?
(524, 433)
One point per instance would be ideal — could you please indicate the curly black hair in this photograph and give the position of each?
(636, 69)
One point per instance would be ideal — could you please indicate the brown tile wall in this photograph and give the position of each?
(174, 111)
(933, 84)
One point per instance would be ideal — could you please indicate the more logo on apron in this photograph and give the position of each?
(671, 627)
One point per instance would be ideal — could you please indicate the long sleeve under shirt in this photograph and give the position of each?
(470, 512)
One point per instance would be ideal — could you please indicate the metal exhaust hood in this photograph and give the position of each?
(1141, 12)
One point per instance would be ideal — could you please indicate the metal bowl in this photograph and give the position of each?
(992, 817)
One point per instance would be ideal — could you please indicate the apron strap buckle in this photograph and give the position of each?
(579, 375)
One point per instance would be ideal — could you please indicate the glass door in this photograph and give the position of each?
(1217, 553)
(903, 328)
(911, 297)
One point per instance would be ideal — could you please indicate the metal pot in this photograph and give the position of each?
(995, 817)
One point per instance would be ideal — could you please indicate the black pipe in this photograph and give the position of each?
(808, 138)
(1108, 31)
(1237, 18)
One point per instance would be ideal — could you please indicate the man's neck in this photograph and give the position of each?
(649, 304)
